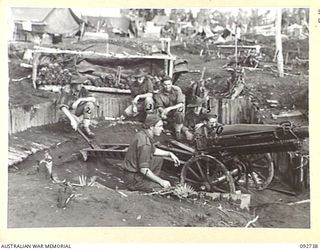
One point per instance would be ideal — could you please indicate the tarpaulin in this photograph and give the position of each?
(61, 21)
(129, 65)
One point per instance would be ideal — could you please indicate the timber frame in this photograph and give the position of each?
(167, 58)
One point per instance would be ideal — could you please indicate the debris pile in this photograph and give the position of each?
(53, 74)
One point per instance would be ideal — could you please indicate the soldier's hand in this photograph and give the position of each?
(175, 159)
(74, 124)
(165, 184)
(163, 116)
(134, 108)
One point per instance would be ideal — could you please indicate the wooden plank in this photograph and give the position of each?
(233, 112)
(237, 112)
(103, 110)
(13, 124)
(35, 62)
(15, 119)
(241, 111)
(216, 106)
(9, 122)
(45, 115)
(33, 116)
(108, 107)
(251, 111)
(223, 113)
(219, 110)
(89, 53)
(245, 110)
(108, 90)
(230, 110)
(227, 103)
(56, 113)
(17, 114)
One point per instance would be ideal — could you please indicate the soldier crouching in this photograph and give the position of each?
(142, 95)
(74, 97)
(169, 102)
(143, 161)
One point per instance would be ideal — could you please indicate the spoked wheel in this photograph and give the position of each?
(206, 173)
(259, 171)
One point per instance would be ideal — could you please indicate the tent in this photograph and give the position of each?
(205, 30)
(46, 20)
(120, 25)
(160, 20)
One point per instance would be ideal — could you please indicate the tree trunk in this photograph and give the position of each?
(279, 42)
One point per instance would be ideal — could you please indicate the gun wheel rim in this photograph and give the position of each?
(206, 173)
(259, 171)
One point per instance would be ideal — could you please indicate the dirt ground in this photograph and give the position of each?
(104, 205)
(33, 200)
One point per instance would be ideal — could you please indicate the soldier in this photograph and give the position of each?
(74, 97)
(169, 102)
(208, 126)
(46, 162)
(142, 94)
(143, 161)
(206, 130)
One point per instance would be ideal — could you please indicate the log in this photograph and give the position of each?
(35, 63)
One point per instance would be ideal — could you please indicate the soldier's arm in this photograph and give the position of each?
(149, 92)
(137, 97)
(85, 96)
(150, 175)
(143, 155)
(161, 152)
(180, 101)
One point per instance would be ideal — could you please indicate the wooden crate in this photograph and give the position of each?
(111, 105)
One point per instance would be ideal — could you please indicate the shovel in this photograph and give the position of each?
(91, 143)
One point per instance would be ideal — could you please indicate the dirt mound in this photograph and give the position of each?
(24, 94)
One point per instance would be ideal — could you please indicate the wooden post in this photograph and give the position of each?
(35, 62)
(98, 26)
(279, 43)
(287, 57)
(107, 45)
(168, 49)
(169, 67)
(236, 46)
(82, 31)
